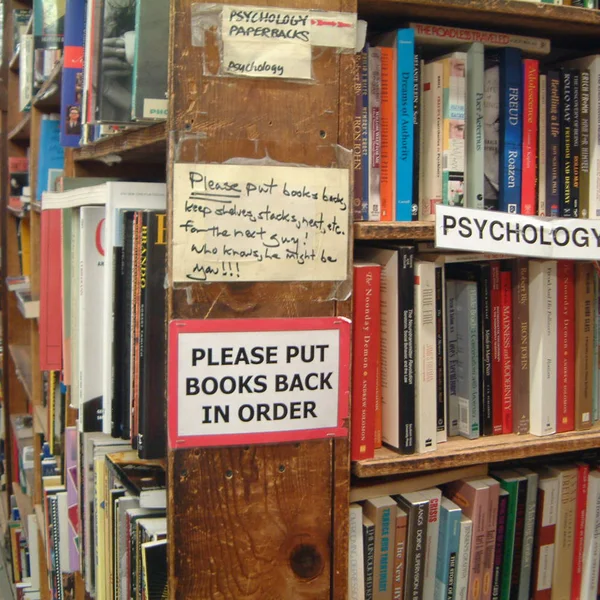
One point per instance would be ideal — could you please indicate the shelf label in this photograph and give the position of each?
(257, 381)
(238, 223)
(491, 231)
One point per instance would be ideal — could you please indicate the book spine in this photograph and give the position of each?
(464, 557)
(407, 353)
(576, 145)
(357, 140)
(451, 357)
(384, 552)
(520, 303)
(125, 347)
(469, 356)
(542, 147)
(584, 145)
(364, 123)
(356, 575)
(490, 543)
(416, 563)
(431, 544)
(416, 136)
(591, 550)
(425, 361)
(485, 316)
(366, 303)
(517, 558)
(566, 144)
(388, 133)
(441, 397)
(496, 348)
(369, 557)
(475, 121)
(453, 152)
(499, 545)
(596, 390)
(374, 76)
(447, 554)
(405, 98)
(584, 354)
(506, 351)
(530, 135)
(528, 536)
(553, 145)
(491, 111)
(511, 116)
(583, 472)
(512, 488)
(565, 356)
(543, 563)
(116, 424)
(400, 555)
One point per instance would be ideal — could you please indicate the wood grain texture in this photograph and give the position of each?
(255, 523)
(457, 452)
(415, 230)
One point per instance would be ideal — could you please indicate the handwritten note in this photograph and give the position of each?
(258, 223)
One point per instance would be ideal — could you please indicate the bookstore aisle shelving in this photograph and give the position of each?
(266, 521)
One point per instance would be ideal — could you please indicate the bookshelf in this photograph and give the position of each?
(275, 514)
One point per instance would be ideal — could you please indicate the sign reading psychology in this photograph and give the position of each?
(490, 231)
(273, 42)
(257, 223)
(247, 381)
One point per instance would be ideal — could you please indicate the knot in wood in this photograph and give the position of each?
(306, 561)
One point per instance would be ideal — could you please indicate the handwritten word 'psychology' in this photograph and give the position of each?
(260, 223)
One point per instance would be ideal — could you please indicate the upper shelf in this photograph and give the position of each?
(560, 23)
(20, 133)
(459, 452)
(144, 144)
(47, 99)
(415, 230)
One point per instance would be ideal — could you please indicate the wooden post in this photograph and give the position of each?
(260, 522)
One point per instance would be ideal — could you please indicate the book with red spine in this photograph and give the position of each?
(366, 336)
(583, 474)
(387, 185)
(565, 326)
(531, 72)
(496, 348)
(506, 351)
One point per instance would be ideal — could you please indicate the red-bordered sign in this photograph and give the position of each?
(257, 381)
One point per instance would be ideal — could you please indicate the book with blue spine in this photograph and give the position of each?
(405, 39)
(511, 133)
(447, 552)
(51, 155)
(72, 75)
(475, 136)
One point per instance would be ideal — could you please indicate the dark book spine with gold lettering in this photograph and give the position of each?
(152, 398)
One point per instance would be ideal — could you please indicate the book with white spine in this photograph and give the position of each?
(591, 540)
(464, 558)
(356, 565)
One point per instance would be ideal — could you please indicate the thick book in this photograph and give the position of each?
(584, 352)
(520, 359)
(553, 146)
(503, 498)
(491, 115)
(152, 427)
(473, 499)
(506, 348)
(382, 511)
(542, 354)
(374, 132)
(356, 564)
(397, 357)
(591, 540)
(447, 552)
(434, 495)
(583, 474)
(511, 130)
(567, 206)
(475, 127)
(565, 355)
(369, 555)
(531, 73)
(150, 60)
(464, 558)
(417, 507)
(425, 357)
(366, 355)
(400, 554)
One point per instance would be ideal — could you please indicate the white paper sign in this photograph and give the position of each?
(490, 231)
(334, 30)
(278, 380)
(258, 223)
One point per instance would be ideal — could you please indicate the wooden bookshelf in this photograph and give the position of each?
(47, 100)
(14, 63)
(40, 420)
(21, 131)
(416, 230)
(3, 513)
(459, 452)
(21, 358)
(24, 504)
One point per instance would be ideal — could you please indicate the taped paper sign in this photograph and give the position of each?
(259, 223)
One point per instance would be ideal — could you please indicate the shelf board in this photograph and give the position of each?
(48, 97)
(415, 230)
(39, 513)
(144, 144)
(558, 22)
(3, 513)
(20, 133)
(459, 452)
(40, 420)
(13, 65)
(22, 360)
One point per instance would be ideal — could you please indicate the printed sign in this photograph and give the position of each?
(257, 223)
(249, 381)
(543, 237)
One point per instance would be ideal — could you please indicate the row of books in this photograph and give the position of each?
(114, 62)
(455, 344)
(518, 533)
(437, 122)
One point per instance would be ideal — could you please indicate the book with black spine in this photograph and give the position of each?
(567, 208)
(576, 145)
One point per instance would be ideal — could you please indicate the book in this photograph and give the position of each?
(542, 354)
(583, 473)
(565, 355)
(417, 133)
(542, 146)
(369, 555)
(475, 126)
(576, 145)
(553, 147)
(151, 49)
(584, 353)
(388, 133)
(567, 206)
(451, 357)
(531, 69)
(496, 305)
(400, 554)
(464, 557)
(584, 141)
(357, 141)
(491, 117)
(356, 564)
(506, 349)
(448, 547)
(51, 155)
(503, 498)
(434, 496)
(374, 132)
(48, 35)
(591, 541)
(26, 72)
(520, 358)
(18, 174)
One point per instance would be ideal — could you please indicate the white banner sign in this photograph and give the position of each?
(253, 381)
(491, 231)
(256, 223)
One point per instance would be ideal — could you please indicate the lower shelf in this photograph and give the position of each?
(458, 452)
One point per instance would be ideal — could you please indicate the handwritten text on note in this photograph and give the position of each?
(259, 223)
